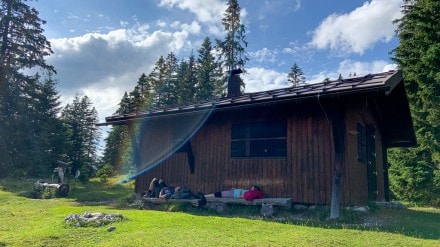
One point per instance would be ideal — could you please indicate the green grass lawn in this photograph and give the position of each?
(40, 222)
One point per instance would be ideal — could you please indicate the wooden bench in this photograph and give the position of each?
(286, 202)
(219, 203)
(194, 202)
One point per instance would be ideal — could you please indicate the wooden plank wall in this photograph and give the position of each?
(355, 172)
(304, 175)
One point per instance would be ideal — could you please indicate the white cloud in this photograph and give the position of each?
(264, 55)
(208, 13)
(104, 66)
(260, 79)
(161, 23)
(320, 77)
(123, 23)
(360, 29)
(297, 5)
(348, 67)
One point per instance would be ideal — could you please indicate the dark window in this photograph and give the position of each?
(259, 139)
(362, 143)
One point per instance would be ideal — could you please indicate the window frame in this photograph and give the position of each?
(262, 139)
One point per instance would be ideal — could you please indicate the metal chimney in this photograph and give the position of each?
(234, 82)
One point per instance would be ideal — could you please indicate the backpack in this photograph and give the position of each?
(183, 193)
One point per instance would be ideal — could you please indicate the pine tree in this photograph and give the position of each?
(169, 90)
(157, 77)
(415, 172)
(126, 105)
(117, 146)
(80, 120)
(22, 46)
(208, 73)
(232, 48)
(163, 81)
(141, 96)
(49, 135)
(296, 75)
(186, 80)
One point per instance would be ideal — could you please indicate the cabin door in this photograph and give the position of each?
(371, 163)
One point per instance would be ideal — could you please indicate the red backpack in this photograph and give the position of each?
(252, 194)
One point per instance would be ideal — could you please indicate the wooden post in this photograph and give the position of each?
(386, 179)
(338, 128)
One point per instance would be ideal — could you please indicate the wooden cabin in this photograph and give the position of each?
(282, 140)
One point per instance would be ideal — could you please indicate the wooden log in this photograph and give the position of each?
(286, 202)
(62, 189)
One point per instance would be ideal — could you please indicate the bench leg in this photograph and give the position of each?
(266, 210)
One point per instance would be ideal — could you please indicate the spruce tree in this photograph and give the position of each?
(232, 48)
(117, 142)
(140, 97)
(208, 73)
(169, 90)
(48, 142)
(157, 77)
(186, 80)
(415, 172)
(22, 47)
(80, 119)
(296, 75)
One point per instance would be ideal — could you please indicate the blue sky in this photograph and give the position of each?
(102, 47)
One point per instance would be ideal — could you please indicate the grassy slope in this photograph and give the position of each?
(30, 222)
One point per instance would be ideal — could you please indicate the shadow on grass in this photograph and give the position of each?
(93, 191)
(409, 222)
(414, 222)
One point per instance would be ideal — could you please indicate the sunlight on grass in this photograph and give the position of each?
(32, 222)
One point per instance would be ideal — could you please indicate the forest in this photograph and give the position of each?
(36, 130)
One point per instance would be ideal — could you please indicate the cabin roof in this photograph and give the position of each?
(380, 83)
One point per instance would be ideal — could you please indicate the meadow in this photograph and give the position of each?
(41, 222)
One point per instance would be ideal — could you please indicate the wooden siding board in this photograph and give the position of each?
(278, 179)
(291, 161)
(297, 159)
(298, 149)
(300, 172)
(309, 161)
(303, 156)
(216, 159)
(305, 174)
(322, 152)
(316, 158)
(326, 162)
(264, 182)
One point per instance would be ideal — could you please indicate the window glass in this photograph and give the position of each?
(259, 139)
(238, 148)
(362, 142)
(239, 131)
(268, 129)
(268, 148)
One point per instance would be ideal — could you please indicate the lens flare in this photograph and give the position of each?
(159, 136)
